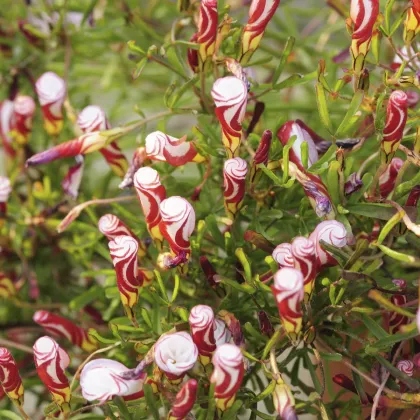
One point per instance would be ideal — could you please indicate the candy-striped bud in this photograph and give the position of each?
(363, 14)
(412, 22)
(283, 255)
(73, 178)
(227, 375)
(192, 55)
(202, 327)
(207, 30)
(406, 366)
(10, 379)
(23, 112)
(230, 97)
(261, 155)
(111, 226)
(102, 379)
(284, 401)
(123, 250)
(177, 224)
(260, 14)
(388, 178)
(266, 327)
(6, 113)
(5, 190)
(51, 90)
(303, 251)
(234, 174)
(150, 193)
(331, 232)
(175, 354)
(51, 361)
(396, 320)
(396, 117)
(62, 327)
(184, 401)
(7, 287)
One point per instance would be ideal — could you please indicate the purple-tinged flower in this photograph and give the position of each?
(400, 283)
(233, 325)
(283, 256)
(23, 112)
(184, 401)
(10, 378)
(353, 184)
(389, 177)
(234, 174)
(73, 178)
(202, 327)
(406, 366)
(102, 379)
(284, 401)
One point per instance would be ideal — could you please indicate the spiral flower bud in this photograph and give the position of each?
(23, 113)
(284, 401)
(283, 255)
(406, 366)
(261, 155)
(303, 251)
(202, 327)
(412, 22)
(73, 178)
(6, 114)
(10, 379)
(5, 190)
(184, 401)
(234, 174)
(222, 335)
(207, 30)
(388, 178)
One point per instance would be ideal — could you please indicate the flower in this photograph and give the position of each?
(227, 374)
(412, 22)
(175, 354)
(23, 112)
(192, 55)
(10, 378)
(288, 290)
(93, 118)
(396, 117)
(222, 334)
(51, 361)
(211, 275)
(284, 401)
(406, 366)
(123, 250)
(184, 400)
(234, 174)
(150, 193)
(353, 184)
(177, 224)
(260, 14)
(396, 320)
(413, 197)
(282, 254)
(73, 178)
(51, 90)
(400, 283)
(261, 155)
(101, 380)
(62, 327)
(207, 30)
(388, 178)
(230, 97)
(331, 232)
(5, 190)
(363, 14)
(233, 325)
(6, 113)
(7, 287)
(266, 327)
(137, 161)
(303, 251)
(202, 328)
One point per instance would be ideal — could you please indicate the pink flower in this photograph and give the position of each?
(202, 327)
(406, 366)
(175, 354)
(51, 90)
(282, 254)
(23, 112)
(51, 361)
(73, 178)
(288, 290)
(62, 327)
(10, 379)
(304, 256)
(184, 401)
(416, 360)
(227, 374)
(102, 379)
(234, 174)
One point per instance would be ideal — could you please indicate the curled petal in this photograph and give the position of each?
(400, 283)
(233, 325)
(102, 379)
(23, 112)
(51, 361)
(6, 113)
(288, 290)
(184, 400)
(207, 29)
(388, 178)
(353, 184)
(283, 255)
(175, 354)
(202, 327)
(178, 152)
(261, 155)
(303, 251)
(230, 97)
(62, 327)
(406, 366)
(155, 145)
(284, 401)
(234, 174)
(396, 320)
(396, 118)
(10, 379)
(331, 232)
(227, 374)
(73, 178)
(222, 333)
(139, 157)
(51, 90)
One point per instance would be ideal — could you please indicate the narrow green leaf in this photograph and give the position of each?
(312, 371)
(333, 181)
(373, 327)
(177, 96)
(120, 403)
(211, 223)
(288, 48)
(162, 287)
(270, 344)
(139, 68)
(387, 342)
(94, 293)
(176, 288)
(400, 256)
(334, 357)
(151, 401)
(230, 414)
(347, 121)
(101, 339)
(388, 11)
(294, 80)
(264, 394)
(7, 414)
(321, 101)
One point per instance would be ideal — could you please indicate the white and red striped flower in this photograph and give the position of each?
(62, 327)
(396, 118)
(175, 354)
(207, 30)
(260, 14)
(6, 113)
(304, 256)
(388, 178)
(283, 255)
(5, 190)
(412, 22)
(202, 328)
(184, 401)
(150, 193)
(123, 250)
(284, 401)
(234, 174)
(93, 118)
(227, 375)
(363, 14)
(177, 224)
(102, 379)
(51, 90)
(222, 335)
(73, 178)
(261, 155)
(23, 113)
(51, 361)
(10, 378)
(406, 366)
(396, 320)
(288, 290)
(331, 232)
(230, 97)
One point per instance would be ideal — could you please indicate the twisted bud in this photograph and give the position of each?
(202, 325)
(303, 251)
(234, 174)
(51, 361)
(260, 14)
(72, 180)
(137, 161)
(207, 30)
(230, 97)
(288, 290)
(51, 90)
(389, 177)
(184, 401)
(212, 277)
(406, 366)
(412, 22)
(283, 255)
(227, 375)
(284, 401)
(23, 113)
(10, 379)
(261, 155)
(62, 327)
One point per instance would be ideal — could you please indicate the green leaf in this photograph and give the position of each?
(139, 68)
(211, 223)
(7, 414)
(312, 371)
(376, 210)
(294, 80)
(388, 11)
(122, 407)
(387, 342)
(346, 124)
(246, 288)
(400, 256)
(321, 101)
(101, 339)
(94, 293)
(151, 401)
(176, 288)
(339, 254)
(230, 414)
(333, 357)
(373, 327)
(186, 87)
(288, 48)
